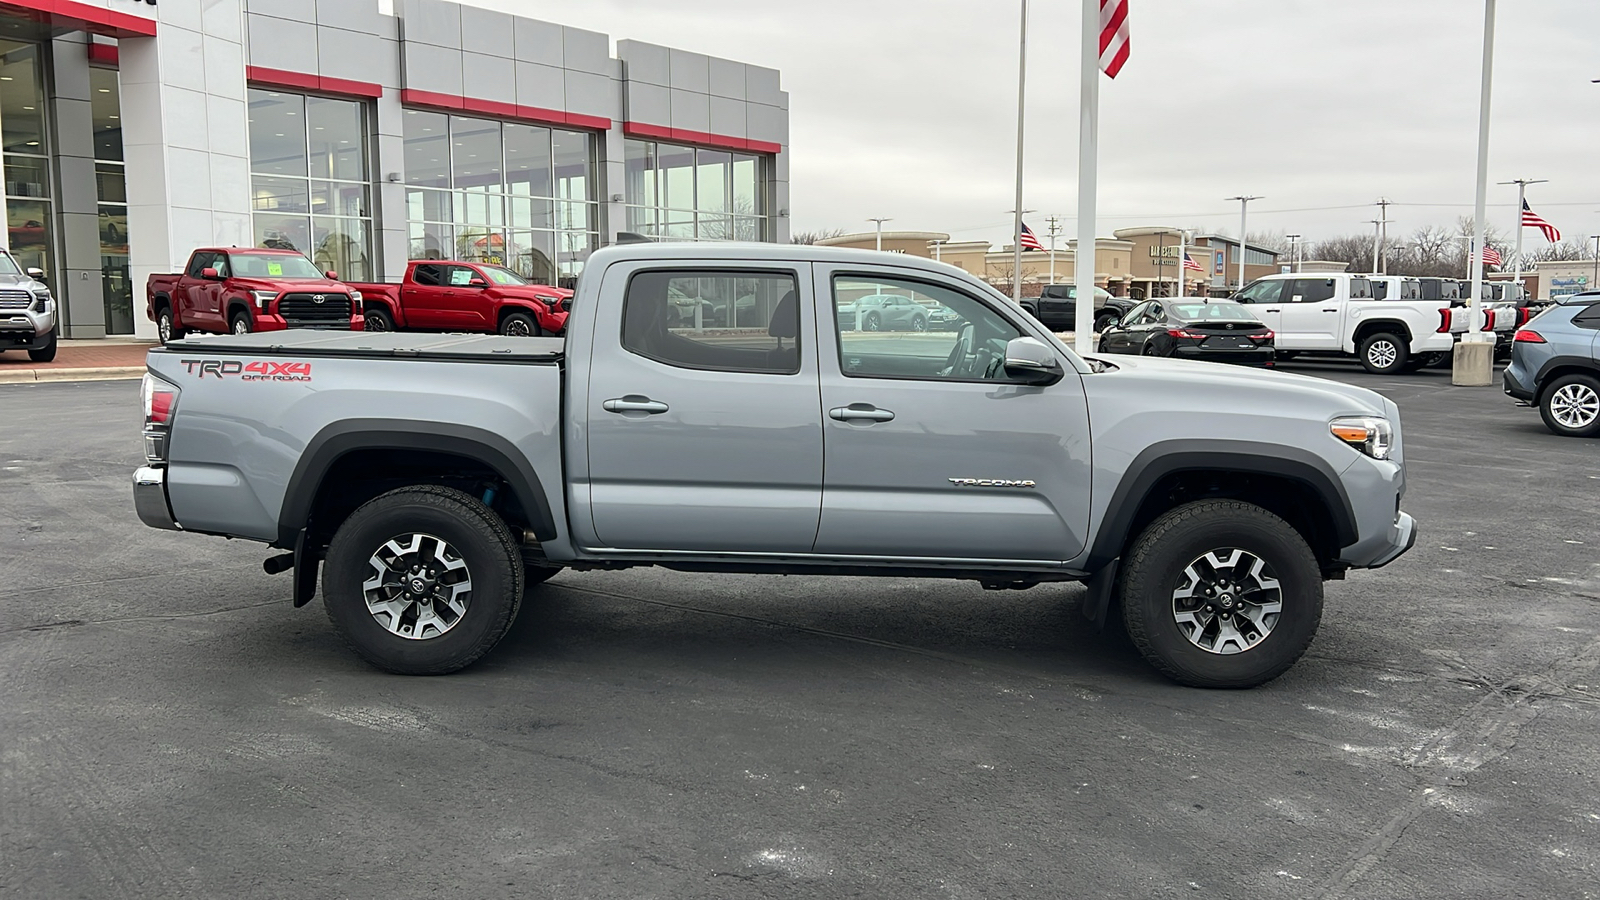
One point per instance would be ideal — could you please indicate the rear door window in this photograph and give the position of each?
(1311, 290)
(1588, 318)
(720, 320)
(1261, 292)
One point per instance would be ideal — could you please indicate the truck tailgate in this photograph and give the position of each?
(253, 408)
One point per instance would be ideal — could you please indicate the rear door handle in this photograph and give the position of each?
(860, 412)
(634, 403)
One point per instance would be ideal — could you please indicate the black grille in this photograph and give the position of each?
(303, 309)
(15, 299)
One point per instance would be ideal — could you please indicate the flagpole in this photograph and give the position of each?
(1016, 226)
(1183, 253)
(1522, 203)
(1088, 153)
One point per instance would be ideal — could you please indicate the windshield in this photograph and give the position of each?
(1213, 312)
(273, 265)
(500, 275)
(8, 266)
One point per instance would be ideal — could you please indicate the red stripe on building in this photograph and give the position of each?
(501, 110)
(301, 81)
(103, 55)
(699, 138)
(76, 16)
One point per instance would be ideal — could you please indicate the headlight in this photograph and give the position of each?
(1369, 434)
(264, 297)
(355, 301)
(41, 301)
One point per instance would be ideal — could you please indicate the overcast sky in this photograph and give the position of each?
(906, 108)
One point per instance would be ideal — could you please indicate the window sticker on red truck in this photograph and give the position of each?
(251, 371)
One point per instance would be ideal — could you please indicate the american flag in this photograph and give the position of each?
(1028, 241)
(1113, 36)
(1189, 263)
(1531, 219)
(1491, 256)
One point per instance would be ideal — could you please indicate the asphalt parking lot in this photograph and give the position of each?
(173, 728)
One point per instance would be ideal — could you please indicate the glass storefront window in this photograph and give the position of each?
(507, 193)
(28, 224)
(310, 185)
(684, 193)
(116, 277)
(21, 98)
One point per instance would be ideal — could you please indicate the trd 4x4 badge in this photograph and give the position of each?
(249, 371)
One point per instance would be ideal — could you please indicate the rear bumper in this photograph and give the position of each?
(1255, 356)
(1515, 388)
(150, 498)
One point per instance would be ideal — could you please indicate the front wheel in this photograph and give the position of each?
(519, 324)
(378, 320)
(1221, 594)
(919, 324)
(423, 580)
(1103, 322)
(241, 323)
(871, 323)
(1570, 406)
(1384, 353)
(46, 353)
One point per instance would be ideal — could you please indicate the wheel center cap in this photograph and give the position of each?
(1225, 601)
(419, 585)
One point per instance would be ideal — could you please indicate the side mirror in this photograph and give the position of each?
(209, 273)
(36, 273)
(332, 275)
(1030, 361)
(1114, 320)
(477, 282)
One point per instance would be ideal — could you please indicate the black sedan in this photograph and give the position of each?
(1191, 328)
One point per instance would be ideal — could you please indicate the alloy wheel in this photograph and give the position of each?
(1227, 601)
(164, 327)
(240, 326)
(1575, 406)
(420, 586)
(1382, 354)
(517, 328)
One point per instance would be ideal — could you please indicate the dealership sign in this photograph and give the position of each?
(1566, 286)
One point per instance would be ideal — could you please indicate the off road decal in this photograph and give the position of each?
(249, 371)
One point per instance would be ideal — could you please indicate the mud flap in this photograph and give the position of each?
(305, 572)
(1098, 600)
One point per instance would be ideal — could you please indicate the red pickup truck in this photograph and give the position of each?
(241, 290)
(446, 295)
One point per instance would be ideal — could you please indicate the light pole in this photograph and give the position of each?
(1474, 356)
(1016, 225)
(1055, 229)
(1522, 197)
(1377, 242)
(1596, 239)
(1383, 234)
(1294, 246)
(880, 230)
(1244, 208)
(1183, 255)
(1161, 246)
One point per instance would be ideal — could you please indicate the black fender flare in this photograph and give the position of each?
(350, 435)
(1194, 455)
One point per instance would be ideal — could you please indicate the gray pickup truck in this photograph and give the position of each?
(434, 477)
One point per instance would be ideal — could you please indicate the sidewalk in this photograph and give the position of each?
(93, 360)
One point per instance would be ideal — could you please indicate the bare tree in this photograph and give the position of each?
(811, 237)
(1562, 252)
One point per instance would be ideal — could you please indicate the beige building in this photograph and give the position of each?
(1559, 279)
(1113, 258)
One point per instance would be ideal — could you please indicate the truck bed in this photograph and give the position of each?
(344, 344)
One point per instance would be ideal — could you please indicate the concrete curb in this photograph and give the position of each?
(105, 373)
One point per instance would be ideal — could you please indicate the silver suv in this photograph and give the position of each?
(27, 311)
(1555, 365)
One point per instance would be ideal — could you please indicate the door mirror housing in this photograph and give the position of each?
(332, 275)
(477, 282)
(1031, 361)
(209, 274)
(36, 273)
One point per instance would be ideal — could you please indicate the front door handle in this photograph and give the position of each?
(860, 412)
(1331, 310)
(634, 403)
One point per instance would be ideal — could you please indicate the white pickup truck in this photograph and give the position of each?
(1336, 313)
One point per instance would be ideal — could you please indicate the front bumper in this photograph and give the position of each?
(26, 330)
(150, 498)
(1402, 537)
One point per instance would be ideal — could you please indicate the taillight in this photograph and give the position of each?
(160, 398)
(1445, 321)
(1264, 336)
(1180, 333)
(1523, 315)
(1488, 320)
(1528, 336)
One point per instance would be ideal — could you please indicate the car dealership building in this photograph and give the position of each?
(363, 134)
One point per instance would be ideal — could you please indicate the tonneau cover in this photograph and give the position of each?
(307, 342)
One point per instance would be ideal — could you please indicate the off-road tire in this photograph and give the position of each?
(520, 324)
(1154, 566)
(1575, 387)
(1378, 361)
(47, 353)
(378, 319)
(473, 530)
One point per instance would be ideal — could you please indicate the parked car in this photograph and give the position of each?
(1057, 307)
(1335, 314)
(1191, 328)
(247, 290)
(27, 311)
(446, 295)
(884, 312)
(1555, 365)
(1213, 503)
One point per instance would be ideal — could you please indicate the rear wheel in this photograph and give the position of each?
(1221, 594)
(423, 580)
(378, 319)
(1149, 349)
(871, 322)
(241, 323)
(1384, 353)
(45, 353)
(1570, 406)
(166, 328)
(519, 324)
